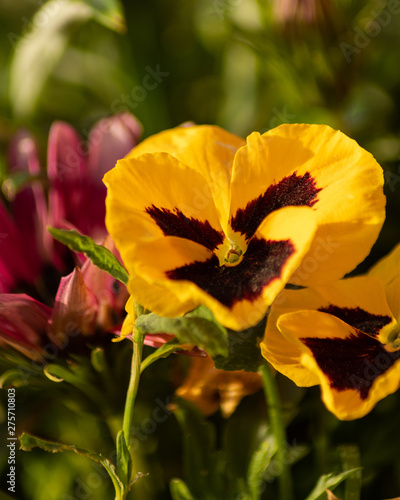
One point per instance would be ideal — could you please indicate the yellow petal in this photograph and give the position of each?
(354, 299)
(316, 166)
(211, 389)
(158, 298)
(387, 271)
(208, 149)
(154, 195)
(355, 370)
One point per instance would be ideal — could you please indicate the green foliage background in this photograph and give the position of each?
(236, 64)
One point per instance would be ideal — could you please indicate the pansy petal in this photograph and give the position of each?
(315, 166)
(387, 271)
(239, 295)
(170, 208)
(211, 389)
(208, 149)
(158, 298)
(354, 369)
(148, 282)
(360, 302)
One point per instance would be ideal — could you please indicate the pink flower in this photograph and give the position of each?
(75, 197)
(89, 304)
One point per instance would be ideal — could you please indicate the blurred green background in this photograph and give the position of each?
(242, 64)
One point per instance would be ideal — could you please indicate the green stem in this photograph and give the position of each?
(127, 424)
(278, 429)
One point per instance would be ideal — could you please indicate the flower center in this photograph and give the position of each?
(230, 253)
(233, 255)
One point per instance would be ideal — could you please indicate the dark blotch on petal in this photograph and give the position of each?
(359, 318)
(261, 264)
(292, 191)
(351, 363)
(177, 224)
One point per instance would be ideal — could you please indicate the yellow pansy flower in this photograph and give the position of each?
(343, 336)
(201, 216)
(211, 389)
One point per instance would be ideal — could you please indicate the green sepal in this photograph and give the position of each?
(196, 328)
(99, 255)
(329, 481)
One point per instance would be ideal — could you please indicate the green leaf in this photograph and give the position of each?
(164, 351)
(244, 350)
(100, 256)
(258, 465)
(109, 13)
(35, 58)
(28, 442)
(124, 460)
(200, 456)
(329, 481)
(180, 491)
(198, 328)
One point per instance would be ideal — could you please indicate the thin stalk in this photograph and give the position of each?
(127, 423)
(278, 430)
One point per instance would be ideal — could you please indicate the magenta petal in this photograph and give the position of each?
(75, 309)
(109, 140)
(14, 264)
(23, 153)
(29, 206)
(157, 340)
(66, 170)
(24, 323)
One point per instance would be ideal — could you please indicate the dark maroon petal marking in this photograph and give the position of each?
(293, 190)
(262, 263)
(177, 224)
(351, 363)
(359, 318)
